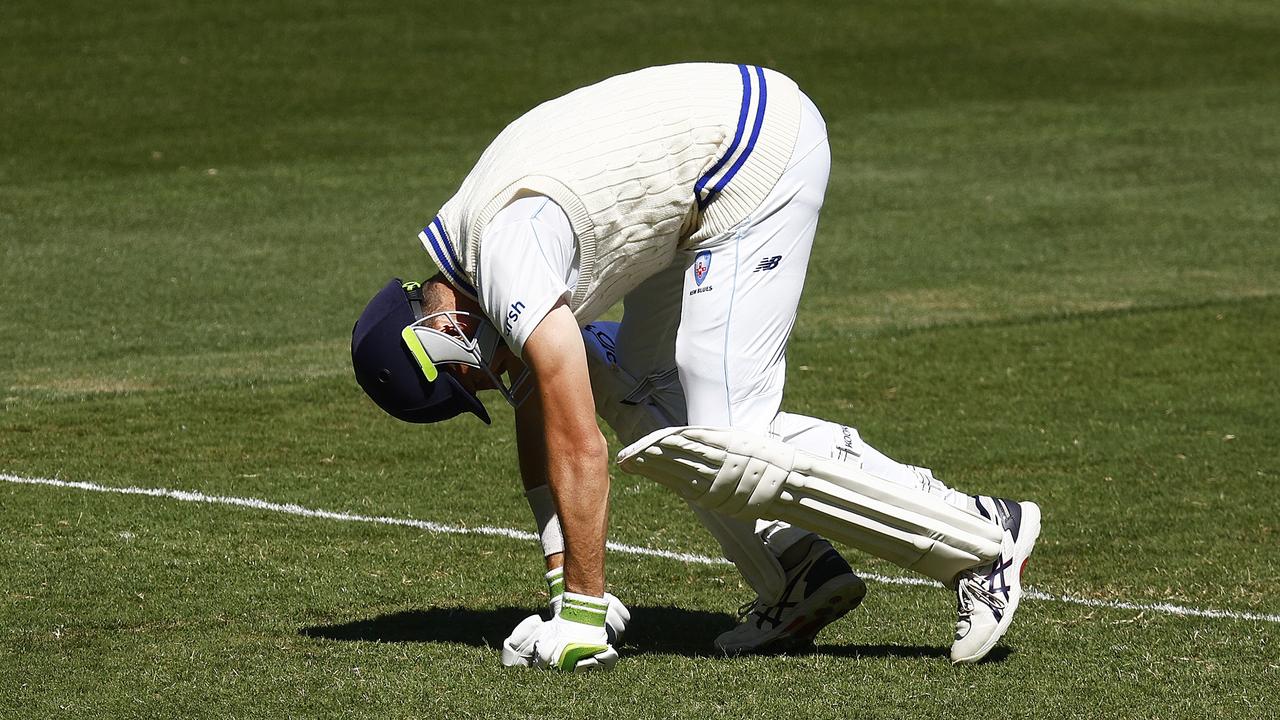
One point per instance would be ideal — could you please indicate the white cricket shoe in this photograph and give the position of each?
(820, 589)
(988, 596)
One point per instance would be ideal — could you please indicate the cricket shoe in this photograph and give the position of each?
(988, 596)
(820, 589)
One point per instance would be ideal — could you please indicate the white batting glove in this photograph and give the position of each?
(575, 639)
(517, 649)
(616, 620)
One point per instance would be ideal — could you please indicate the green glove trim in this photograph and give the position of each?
(555, 583)
(575, 652)
(584, 609)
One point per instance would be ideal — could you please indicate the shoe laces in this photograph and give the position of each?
(973, 586)
(756, 611)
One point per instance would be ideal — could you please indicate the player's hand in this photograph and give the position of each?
(568, 645)
(517, 649)
(616, 619)
(575, 638)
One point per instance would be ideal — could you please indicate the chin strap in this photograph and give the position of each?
(413, 290)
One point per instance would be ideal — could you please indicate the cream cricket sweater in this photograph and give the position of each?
(643, 164)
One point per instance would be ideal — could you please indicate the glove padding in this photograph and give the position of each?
(571, 646)
(518, 647)
(615, 621)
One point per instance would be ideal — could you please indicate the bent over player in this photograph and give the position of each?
(691, 193)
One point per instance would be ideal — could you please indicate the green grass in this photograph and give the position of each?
(1049, 266)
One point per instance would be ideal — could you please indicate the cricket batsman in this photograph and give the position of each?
(691, 193)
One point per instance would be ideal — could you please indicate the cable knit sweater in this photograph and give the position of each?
(643, 164)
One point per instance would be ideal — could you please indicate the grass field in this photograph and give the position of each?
(1049, 267)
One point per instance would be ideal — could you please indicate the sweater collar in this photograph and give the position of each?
(440, 246)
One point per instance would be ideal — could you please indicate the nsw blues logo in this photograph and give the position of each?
(701, 266)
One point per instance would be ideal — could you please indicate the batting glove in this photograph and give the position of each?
(575, 639)
(517, 649)
(616, 620)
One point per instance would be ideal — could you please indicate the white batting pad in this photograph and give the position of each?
(663, 406)
(751, 475)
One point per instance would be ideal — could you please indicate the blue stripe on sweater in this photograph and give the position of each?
(733, 146)
(442, 249)
(755, 134)
(700, 186)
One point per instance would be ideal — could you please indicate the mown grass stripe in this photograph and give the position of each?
(441, 528)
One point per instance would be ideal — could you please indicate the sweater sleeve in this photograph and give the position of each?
(528, 262)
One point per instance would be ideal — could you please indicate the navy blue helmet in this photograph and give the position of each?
(398, 376)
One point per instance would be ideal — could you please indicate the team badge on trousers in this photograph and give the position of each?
(701, 266)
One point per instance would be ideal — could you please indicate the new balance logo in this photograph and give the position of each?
(768, 263)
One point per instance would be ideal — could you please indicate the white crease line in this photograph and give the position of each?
(298, 510)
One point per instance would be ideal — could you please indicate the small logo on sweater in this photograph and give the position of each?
(701, 266)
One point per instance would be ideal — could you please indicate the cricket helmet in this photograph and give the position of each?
(395, 368)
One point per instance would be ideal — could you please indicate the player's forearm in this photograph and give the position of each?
(576, 454)
(579, 480)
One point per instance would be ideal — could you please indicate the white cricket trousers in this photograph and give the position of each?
(712, 330)
(723, 311)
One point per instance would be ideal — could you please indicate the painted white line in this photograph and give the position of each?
(292, 509)
(440, 528)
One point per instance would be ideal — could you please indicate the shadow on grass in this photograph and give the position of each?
(664, 630)
(653, 630)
